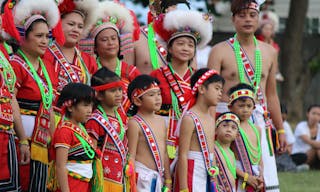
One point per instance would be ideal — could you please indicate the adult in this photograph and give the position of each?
(247, 60)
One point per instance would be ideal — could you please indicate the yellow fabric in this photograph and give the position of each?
(28, 112)
(39, 153)
(57, 117)
(112, 186)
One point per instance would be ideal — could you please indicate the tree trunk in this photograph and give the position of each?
(295, 71)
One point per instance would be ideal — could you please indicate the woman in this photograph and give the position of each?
(72, 65)
(111, 21)
(35, 84)
(183, 31)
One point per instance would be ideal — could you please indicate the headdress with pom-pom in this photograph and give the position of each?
(180, 23)
(18, 16)
(271, 18)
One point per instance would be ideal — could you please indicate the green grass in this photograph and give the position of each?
(299, 182)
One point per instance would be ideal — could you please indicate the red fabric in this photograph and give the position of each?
(189, 178)
(65, 136)
(8, 22)
(159, 28)
(58, 34)
(136, 31)
(165, 86)
(76, 185)
(27, 86)
(4, 154)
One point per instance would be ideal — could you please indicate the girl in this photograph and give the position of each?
(73, 146)
(107, 126)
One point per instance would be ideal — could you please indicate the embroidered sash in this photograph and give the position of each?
(242, 154)
(107, 126)
(6, 113)
(223, 178)
(153, 146)
(249, 71)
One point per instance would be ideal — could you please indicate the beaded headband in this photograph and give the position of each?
(228, 116)
(109, 22)
(108, 86)
(22, 28)
(241, 93)
(202, 79)
(136, 93)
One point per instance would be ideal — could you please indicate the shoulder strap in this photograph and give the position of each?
(243, 155)
(153, 145)
(224, 182)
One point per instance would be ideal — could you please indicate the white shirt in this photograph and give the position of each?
(288, 132)
(303, 129)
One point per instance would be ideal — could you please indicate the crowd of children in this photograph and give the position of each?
(77, 117)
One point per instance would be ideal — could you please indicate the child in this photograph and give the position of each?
(73, 146)
(107, 127)
(147, 136)
(248, 143)
(227, 127)
(195, 160)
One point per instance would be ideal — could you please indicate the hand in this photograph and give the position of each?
(253, 181)
(260, 183)
(283, 143)
(25, 154)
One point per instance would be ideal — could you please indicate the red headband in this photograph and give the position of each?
(108, 86)
(139, 92)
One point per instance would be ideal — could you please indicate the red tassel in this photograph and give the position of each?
(8, 21)
(150, 17)
(58, 34)
(136, 31)
(159, 28)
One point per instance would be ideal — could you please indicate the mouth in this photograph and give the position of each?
(74, 36)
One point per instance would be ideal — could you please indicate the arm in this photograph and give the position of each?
(215, 59)
(186, 130)
(133, 138)
(313, 143)
(61, 170)
(52, 121)
(167, 173)
(18, 128)
(273, 101)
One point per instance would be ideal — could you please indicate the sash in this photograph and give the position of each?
(107, 126)
(223, 178)
(249, 71)
(6, 114)
(204, 149)
(153, 145)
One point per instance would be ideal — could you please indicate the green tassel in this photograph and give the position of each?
(171, 151)
(97, 179)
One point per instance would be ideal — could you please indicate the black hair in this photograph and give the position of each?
(213, 79)
(169, 56)
(239, 87)
(140, 82)
(313, 106)
(283, 108)
(103, 76)
(238, 5)
(119, 40)
(77, 92)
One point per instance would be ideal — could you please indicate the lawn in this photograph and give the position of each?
(299, 182)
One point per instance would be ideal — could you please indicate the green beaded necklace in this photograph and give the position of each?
(121, 134)
(253, 152)
(86, 146)
(8, 74)
(152, 47)
(118, 67)
(231, 165)
(46, 96)
(258, 63)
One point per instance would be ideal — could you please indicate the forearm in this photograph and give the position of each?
(167, 173)
(183, 172)
(274, 109)
(62, 176)
(18, 127)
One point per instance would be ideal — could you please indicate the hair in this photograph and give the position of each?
(213, 79)
(140, 82)
(239, 87)
(103, 76)
(238, 5)
(312, 106)
(119, 40)
(169, 56)
(77, 92)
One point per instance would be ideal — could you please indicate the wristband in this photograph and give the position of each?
(168, 181)
(281, 131)
(24, 142)
(245, 179)
(184, 190)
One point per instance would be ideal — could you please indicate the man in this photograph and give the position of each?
(232, 57)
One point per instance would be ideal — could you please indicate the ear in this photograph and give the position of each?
(201, 89)
(137, 101)
(70, 109)
(99, 95)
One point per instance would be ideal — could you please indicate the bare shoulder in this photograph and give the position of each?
(267, 48)
(220, 47)
(159, 119)
(133, 124)
(187, 122)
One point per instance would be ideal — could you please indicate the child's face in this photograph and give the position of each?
(111, 97)
(213, 93)
(227, 131)
(151, 100)
(81, 112)
(182, 49)
(243, 107)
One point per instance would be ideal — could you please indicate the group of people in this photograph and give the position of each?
(91, 101)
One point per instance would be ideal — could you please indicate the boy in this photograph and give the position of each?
(147, 136)
(227, 127)
(195, 168)
(248, 144)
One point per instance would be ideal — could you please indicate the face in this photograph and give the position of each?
(150, 101)
(182, 49)
(246, 21)
(107, 43)
(313, 115)
(267, 30)
(81, 112)
(243, 108)
(72, 25)
(111, 97)
(227, 131)
(37, 40)
(212, 93)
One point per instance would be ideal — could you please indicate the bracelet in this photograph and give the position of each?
(24, 142)
(184, 190)
(281, 131)
(168, 181)
(245, 179)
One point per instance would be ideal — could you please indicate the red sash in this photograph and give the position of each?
(6, 113)
(153, 146)
(107, 126)
(223, 178)
(249, 70)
